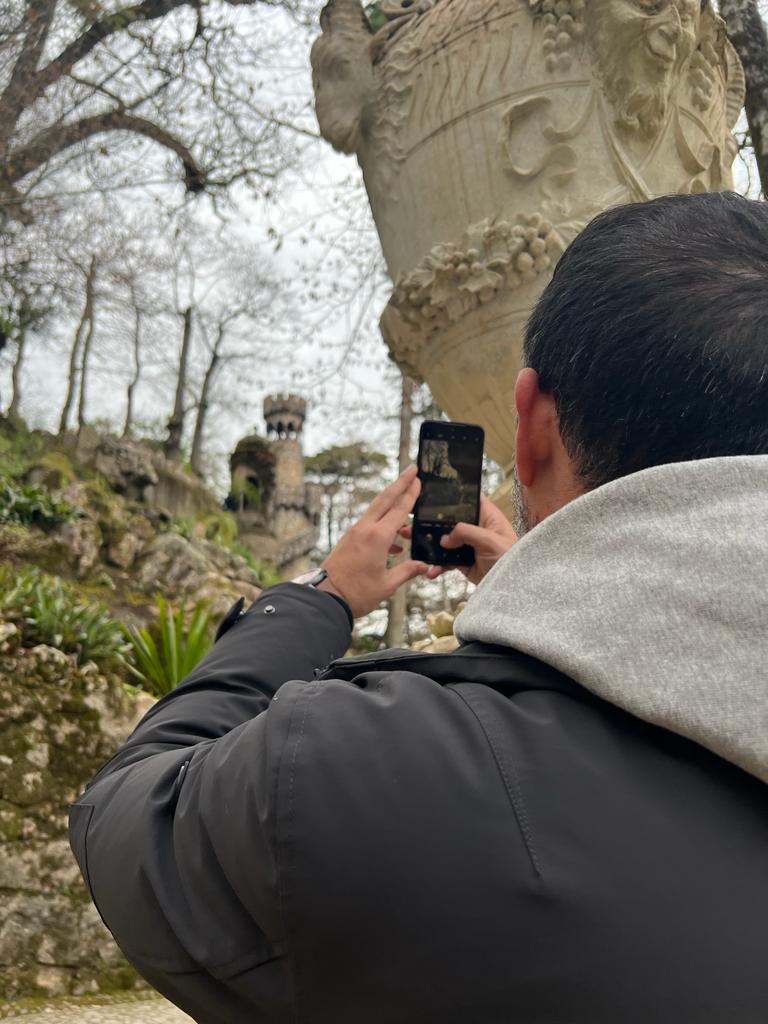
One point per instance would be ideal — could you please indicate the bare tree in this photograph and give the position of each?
(134, 381)
(90, 304)
(214, 363)
(172, 446)
(747, 32)
(75, 78)
(27, 312)
(13, 407)
(75, 356)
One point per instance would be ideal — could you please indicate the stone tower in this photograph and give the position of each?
(278, 513)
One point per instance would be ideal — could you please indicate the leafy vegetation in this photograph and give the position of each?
(268, 574)
(167, 651)
(47, 611)
(29, 505)
(218, 527)
(18, 448)
(248, 494)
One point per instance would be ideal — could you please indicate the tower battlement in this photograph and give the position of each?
(285, 414)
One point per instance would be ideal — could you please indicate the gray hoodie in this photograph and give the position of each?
(652, 592)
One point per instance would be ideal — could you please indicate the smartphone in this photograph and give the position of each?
(450, 463)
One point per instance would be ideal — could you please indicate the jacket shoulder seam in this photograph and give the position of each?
(511, 782)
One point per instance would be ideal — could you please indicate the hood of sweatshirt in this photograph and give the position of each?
(652, 592)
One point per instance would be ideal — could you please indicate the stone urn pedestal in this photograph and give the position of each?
(490, 132)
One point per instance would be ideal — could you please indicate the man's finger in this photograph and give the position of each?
(395, 549)
(406, 532)
(401, 507)
(383, 502)
(436, 571)
(400, 574)
(466, 533)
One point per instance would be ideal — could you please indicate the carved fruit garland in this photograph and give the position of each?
(453, 279)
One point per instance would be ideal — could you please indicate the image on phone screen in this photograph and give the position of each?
(450, 466)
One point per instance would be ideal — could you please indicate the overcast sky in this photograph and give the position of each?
(342, 367)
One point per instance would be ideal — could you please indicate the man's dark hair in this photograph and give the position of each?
(653, 335)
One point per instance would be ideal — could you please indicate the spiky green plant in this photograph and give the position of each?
(167, 651)
(47, 611)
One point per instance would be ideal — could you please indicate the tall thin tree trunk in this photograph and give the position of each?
(136, 369)
(331, 498)
(398, 603)
(21, 340)
(84, 364)
(195, 458)
(74, 355)
(750, 40)
(172, 446)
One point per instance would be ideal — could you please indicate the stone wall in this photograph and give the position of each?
(60, 723)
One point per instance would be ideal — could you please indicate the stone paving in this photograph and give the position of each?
(144, 1011)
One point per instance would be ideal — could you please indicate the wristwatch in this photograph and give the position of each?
(313, 578)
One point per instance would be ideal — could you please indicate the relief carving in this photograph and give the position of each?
(454, 279)
(463, 112)
(563, 22)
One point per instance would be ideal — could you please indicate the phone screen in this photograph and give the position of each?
(450, 464)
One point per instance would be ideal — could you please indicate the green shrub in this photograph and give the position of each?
(268, 574)
(47, 611)
(58, 464)
(28, 505)
(220, 528)
(183, 525)
(167, 651)
(19, 447)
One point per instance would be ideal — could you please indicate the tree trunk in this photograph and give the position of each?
(748, 35)
(86, 351)
(398, 603)
(74, 355)
(331, 496)
(13, 408)
(172, 446)
(136, 371)
(195, 458)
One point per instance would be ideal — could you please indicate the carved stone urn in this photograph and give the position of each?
(489, 133)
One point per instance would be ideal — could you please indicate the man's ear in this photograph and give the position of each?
(535, 412)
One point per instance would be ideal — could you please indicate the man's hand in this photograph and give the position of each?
(357, 566)
(491, 539)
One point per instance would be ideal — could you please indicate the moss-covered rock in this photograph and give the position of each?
(61, 722)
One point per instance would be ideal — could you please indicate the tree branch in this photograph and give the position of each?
(39, 15)
(50, 143)
(118, 21)
(148, 10)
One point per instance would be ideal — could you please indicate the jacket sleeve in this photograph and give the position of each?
(175, 835)
(289, 632)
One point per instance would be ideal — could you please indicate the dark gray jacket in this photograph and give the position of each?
(409, 838)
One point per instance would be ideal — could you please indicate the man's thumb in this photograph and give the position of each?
(463, 533)
(404, 572)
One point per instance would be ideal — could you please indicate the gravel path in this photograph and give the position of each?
(144, 1011)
